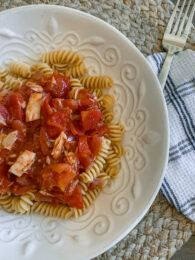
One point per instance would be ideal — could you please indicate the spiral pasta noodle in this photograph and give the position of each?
(75, 83)
(108, 115)
(61, 68)
(23, 203)
(84, 187)
(48, 210)
(107, 101)
(20, 68)
(3, 92)
(13, 83)
(61, 57)
(74, 92)
(6, 202)
(42, 67)
(88, 199)
(114, 155)
(94, 82)
(112, 171)
(77, 71)
(97, 93)
(92, 172)
(105, 177)
(116, 132)
(3, 73)
(1, 85)
(118, 149)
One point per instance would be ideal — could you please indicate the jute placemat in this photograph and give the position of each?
(163, 230)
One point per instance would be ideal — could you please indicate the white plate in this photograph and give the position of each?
(24, 34)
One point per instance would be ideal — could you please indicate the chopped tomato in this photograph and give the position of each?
(76, 128)
(36, 142)
(59, 120)
(60, 104)
(57, 104)
(95, 144)
(71, 103)
(90, 119)
(21, 127)
(44, 141)
(70, 188)
(60, 167)
(3, 155)
(33, 126)
(97, 184)
(87, 100)
(84, 152)
(47, 180)
(52, 131)
(40, 78)
(4, 115)
(100, 131)
(18, 189)
(58, 175)
(4, 179)
(58, 86)
(71, 143)
(25, 180)
(76, 200)
(44, 198)
(15, 105)
(64, 178)
(46, 109)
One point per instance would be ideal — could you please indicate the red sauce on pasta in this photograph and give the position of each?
(53, 179)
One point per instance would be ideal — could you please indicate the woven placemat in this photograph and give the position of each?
(163, 230)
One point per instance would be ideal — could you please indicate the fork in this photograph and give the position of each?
(175, 37)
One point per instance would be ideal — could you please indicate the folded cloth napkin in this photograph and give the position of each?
(179, 182)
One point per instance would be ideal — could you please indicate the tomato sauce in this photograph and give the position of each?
(52, 180)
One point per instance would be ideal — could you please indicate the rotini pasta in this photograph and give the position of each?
(42, 67)
(61, 57)
(1, 85)
(47, 209)
(118, 149)
(84, 187)
(92, 172)
(66, 104)
(6, 202)
(107, 101)
(3, 73)
(112, 171)
(108, 116)
(13, 83)
(116, 132)
(61, 68)
(75, 83)
(77, 71)
(3, 93)
(23, 203)
(97, 93)
(105, 177)
(114, 155)
(74, 92)
(21, 69)
(88, 199)
(94, 82)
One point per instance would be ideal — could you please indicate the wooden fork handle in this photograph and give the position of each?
(165, 69)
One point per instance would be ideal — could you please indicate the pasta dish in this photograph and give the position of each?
(58, 144)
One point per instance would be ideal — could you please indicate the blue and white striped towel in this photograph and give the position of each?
(179, 182)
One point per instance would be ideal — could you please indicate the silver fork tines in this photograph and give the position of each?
(175, 35)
